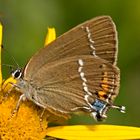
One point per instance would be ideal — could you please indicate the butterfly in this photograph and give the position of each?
(75, 73)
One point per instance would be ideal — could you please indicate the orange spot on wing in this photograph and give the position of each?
(101, 93)
(105, 81)
(104, 85)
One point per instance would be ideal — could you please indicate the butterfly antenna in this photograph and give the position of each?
(10, 66)
(11, 57)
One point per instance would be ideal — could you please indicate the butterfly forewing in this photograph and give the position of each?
(96, 37)
(62, 85)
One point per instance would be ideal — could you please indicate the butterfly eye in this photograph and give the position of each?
(17, 74)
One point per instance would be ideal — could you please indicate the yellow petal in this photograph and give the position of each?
(51, 36)
(6, 86)
(97, 132)
(0, 54)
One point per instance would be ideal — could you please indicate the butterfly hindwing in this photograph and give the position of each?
(63, 84)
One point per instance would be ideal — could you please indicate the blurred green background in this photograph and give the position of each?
(25, 26)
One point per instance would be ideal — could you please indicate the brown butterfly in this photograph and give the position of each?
(75, 73)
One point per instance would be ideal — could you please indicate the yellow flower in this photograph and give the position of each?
(94, 132)
(26, 125)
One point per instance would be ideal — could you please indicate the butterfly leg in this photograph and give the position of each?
(41, 118)
(14, 86)
(15, 111)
